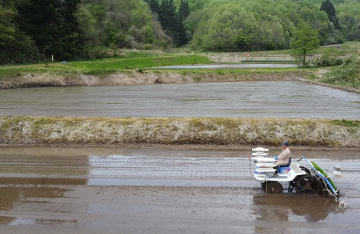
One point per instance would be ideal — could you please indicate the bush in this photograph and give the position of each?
(328, 60)
(147, 47)
(347, 74)
(141, 70)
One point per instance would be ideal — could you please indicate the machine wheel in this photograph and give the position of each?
(307, 184)
(274, 187)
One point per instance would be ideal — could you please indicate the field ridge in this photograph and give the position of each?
(203, 131)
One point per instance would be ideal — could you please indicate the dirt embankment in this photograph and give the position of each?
(146, 77)
(216, 131)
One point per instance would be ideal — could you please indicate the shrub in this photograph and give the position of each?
(347, 74)
(328, 60)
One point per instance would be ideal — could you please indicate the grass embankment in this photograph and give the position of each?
(132, 61)
(217, 131)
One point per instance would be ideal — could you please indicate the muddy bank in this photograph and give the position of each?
(206, 131)
(51, 79)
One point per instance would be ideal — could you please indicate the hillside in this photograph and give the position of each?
(266, 25)
(34, 30)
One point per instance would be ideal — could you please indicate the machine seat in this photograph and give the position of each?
(287, 165)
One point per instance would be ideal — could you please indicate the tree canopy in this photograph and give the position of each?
(329, 8)
(263, 24)
(15, 46)
(33, 30)
(304, 41)
(52, 25)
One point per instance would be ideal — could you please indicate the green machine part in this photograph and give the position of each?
(323, 172)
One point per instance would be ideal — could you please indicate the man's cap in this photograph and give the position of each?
(285, 143)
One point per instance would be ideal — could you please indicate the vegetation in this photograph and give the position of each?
(217, 131)
(51, 24)
(34, 30)
(257, 25)
(115, 24)
(329, 8)
(171, 21)
(126, 63)
(128, 60)
(15, 46)
(347, 74)
(304, 41)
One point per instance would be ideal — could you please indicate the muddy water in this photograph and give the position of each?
(242, 99)
(163, 190)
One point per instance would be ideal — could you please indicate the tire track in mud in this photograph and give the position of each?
(153, 171)
(204, 191)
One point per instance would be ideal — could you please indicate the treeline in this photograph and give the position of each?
(116, 24)
(243, 25)
(34, 30)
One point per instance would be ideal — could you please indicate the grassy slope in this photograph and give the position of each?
(132, 60)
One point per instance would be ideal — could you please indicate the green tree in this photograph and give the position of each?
(329, 8)
(154, 6)
(184, 10)
(52, 25)
(304, 41)
(172, 22)
(15, 47)
(108, 25)
(350, 20)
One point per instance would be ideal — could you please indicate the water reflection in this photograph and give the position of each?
(11, 198)
(292, 207)
(139, 170)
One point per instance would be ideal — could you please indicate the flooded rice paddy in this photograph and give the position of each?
(275, 99)
(174, 189)
(164, 190)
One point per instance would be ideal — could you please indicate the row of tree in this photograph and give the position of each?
(32, 30)
(262, 24)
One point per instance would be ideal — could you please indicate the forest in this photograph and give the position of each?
(34, 30)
